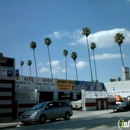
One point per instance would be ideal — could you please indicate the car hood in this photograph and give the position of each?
(29, 112)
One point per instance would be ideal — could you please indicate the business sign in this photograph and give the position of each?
(65, 84)
(27, 83)
(7, 62)
(88, 86)
(3, 73)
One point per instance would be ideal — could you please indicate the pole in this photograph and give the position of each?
(18, 104)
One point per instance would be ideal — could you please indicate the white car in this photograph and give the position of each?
(76, 104)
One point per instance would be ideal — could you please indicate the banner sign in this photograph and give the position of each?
(65, 84)
(27, 83)
(88, 86)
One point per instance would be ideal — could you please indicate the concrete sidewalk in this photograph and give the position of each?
(11, 123)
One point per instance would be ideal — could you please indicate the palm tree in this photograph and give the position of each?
(65, 53)
(29, 64)
(119, 37)
(119, 78)
(47, 41)
(21, 63)
(93, 46)
(74, 57)
(86, 31)
(1, 55)
(33, 45)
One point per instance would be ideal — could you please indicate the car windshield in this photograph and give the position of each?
(123, 103)
(38, 106)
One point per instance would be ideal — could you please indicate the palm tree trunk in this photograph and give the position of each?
(21, 70)
(50, 62)
(66, 66)
(121, 57)
(35, 62)
(95, 65)
(89, 60)
(30, 70)
(76, 70)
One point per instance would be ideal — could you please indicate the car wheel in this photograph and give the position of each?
(67, 116)
(42, 119)
(114, 110)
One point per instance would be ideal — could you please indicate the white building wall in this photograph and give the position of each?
(118, 85)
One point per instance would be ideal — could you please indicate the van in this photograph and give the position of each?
(47, 111)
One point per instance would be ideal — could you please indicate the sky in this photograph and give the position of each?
(24, 21)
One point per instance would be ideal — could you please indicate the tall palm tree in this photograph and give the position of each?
(29, 64)
(93, 46)
(65, 53)
(86, 31)
(21, 63)
(119, 37)
(1, 55)
(47, 41)
(74, 57)
(33, 45)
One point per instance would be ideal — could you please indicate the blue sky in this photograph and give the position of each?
(23, 21)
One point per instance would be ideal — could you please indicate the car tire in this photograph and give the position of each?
(42, 119)
(67, 116)
(114, 110)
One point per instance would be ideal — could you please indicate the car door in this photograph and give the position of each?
(49, 111)
(57, 109)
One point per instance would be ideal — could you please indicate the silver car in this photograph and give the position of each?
(47, 111)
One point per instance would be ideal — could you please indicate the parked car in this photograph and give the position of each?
(47, 111)
(124, 106)
(76, 104)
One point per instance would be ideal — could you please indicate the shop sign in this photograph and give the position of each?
(65, 84)
(88, 86)
(30, 83)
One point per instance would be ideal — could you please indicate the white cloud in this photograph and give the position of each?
(72, 43)
(59, 34)
(105, 38)
(55, 66)
(80, 64)
(106, 56)
(43, 70)
(39, 64)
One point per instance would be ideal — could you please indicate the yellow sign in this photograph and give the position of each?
(65, 84)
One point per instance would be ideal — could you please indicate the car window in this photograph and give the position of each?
(38, 106)
(65, 104)
(56, 104)
(50, 106)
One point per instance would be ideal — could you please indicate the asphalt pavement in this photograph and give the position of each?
(10, 123)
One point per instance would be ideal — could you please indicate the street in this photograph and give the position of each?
(81, 121)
